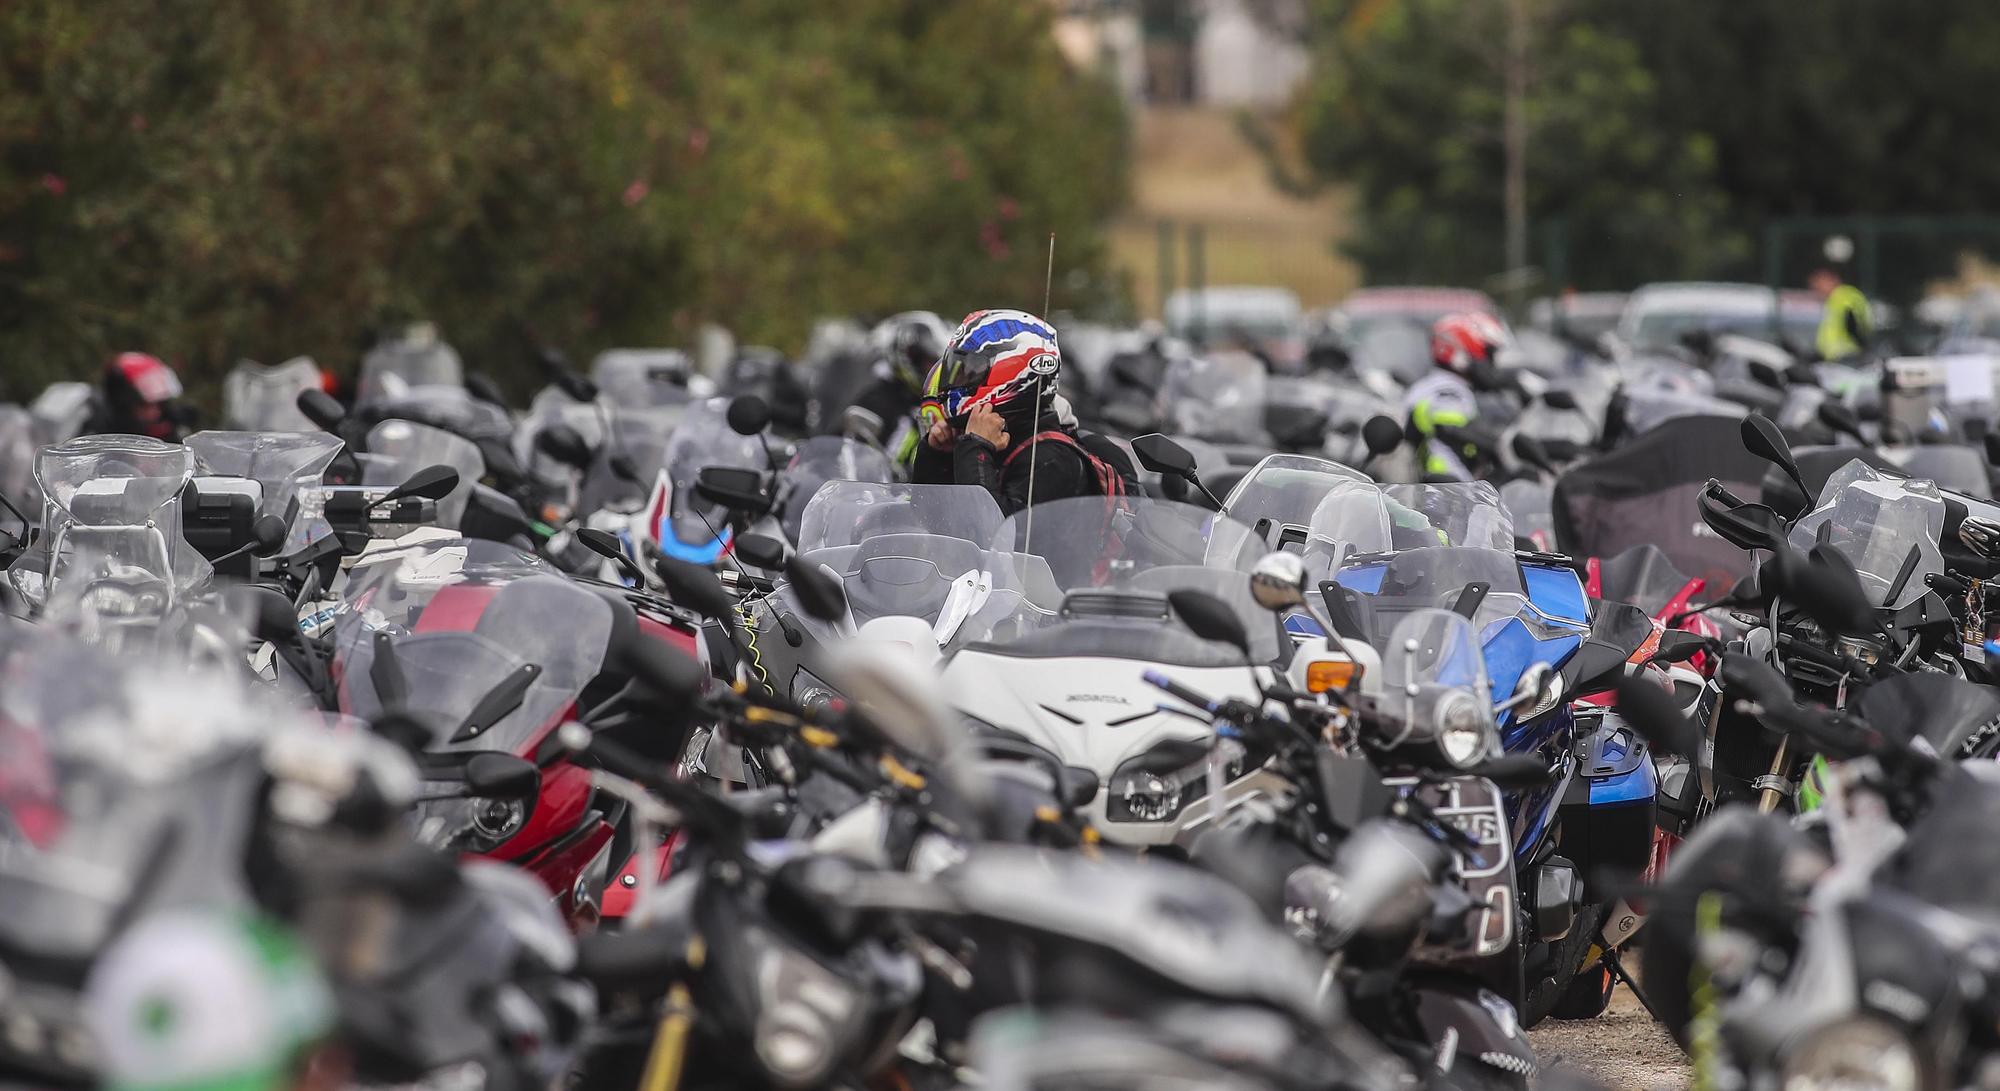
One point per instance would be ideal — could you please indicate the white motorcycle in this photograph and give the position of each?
(1068, 674)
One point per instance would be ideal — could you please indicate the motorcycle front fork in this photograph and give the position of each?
(1776, 784)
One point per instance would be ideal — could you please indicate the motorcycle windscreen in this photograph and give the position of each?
(1645, 493)
(1887, 526)
(132, 792)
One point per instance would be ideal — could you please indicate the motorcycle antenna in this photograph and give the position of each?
(1049, 278)
(1035, 438)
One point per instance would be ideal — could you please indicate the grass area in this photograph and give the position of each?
(1193, 166)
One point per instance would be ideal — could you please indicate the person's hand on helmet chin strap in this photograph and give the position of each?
(987, 425)
(942, 436)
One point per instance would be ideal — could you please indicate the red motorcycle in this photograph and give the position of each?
(483, 651)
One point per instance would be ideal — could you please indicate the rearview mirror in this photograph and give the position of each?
(1210, 619)
(1381, 434)
(322, 409)
(491, 774)
(1766, 375)
(564, 444)
(1840, 420)
(604, 545)
(481, 386)
(748, 415)
(1530, 450)
(1559, 399)
(430, 483)
(1762, 438)
(818, 591)
(267, 535)
(733, 487)
(1278, 582)
(1538, 683)
(1163, 456)
(696, 588)
(1171, 461)
(762, 550)
(565, 377)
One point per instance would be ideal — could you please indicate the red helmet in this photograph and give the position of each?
(1460, 342)
(995, 358)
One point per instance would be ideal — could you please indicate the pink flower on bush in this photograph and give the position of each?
(54, 183)
(636, 192)
(996, 246)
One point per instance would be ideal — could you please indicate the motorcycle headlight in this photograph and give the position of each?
(111, 600)
(1853, 1055)
(1867, 651)
(467, 825)
(805, 1012)
(1145, 789)
(1465, 734)
(811, 694)
(1142, 796)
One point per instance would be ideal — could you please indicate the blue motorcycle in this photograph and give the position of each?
(1452, 546)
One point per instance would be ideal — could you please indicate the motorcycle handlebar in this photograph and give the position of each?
(1179, 692)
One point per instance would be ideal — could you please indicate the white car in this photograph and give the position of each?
(1658, 315)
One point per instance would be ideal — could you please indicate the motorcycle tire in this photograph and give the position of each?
(1589, 993)
(1558, 970)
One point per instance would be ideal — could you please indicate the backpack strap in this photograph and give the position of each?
(1053, 435)
(1110, 483)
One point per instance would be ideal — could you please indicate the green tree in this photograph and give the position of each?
(1406, 105)
(209, 179)
(1832, 108)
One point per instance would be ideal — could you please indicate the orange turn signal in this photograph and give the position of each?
(1329, 674)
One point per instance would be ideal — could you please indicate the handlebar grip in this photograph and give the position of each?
(1723, 494)
(614, 757)
(1176, 690)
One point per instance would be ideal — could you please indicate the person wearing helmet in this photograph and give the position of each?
(209, 1000)
(905, 346)
(140, 398)
(1463, 347)
(991, 417)
(769, 374)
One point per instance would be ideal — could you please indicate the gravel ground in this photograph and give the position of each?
(1623, 1049)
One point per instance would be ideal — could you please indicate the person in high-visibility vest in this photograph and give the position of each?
(1462, 347)
(1845, 324)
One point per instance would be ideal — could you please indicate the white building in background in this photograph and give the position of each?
(1243, 60)
(1106, 38)
(1243, 53)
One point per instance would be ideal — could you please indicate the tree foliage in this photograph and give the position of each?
(1663, 135)
(211, 179)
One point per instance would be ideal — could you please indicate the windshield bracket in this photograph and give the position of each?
(1469, 599)
(387, 673)
(499, 701)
